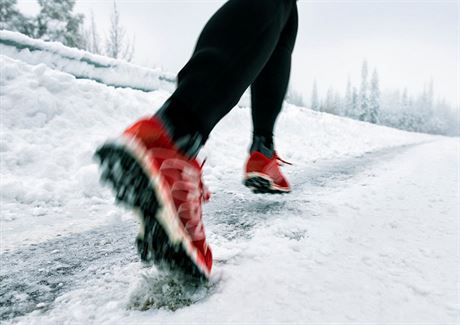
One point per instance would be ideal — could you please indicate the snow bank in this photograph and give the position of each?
(50, 125)
(82, 64)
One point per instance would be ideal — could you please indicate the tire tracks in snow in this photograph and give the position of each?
(34, 276)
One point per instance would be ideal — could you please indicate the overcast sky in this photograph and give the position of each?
(409, 42)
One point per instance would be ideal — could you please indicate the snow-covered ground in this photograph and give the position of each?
(370, 233)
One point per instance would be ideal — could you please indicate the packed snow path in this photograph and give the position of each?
(372, 238)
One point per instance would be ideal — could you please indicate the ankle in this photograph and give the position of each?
(263, 144)
(181, 129)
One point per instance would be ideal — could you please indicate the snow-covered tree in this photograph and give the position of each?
(450, 116)
(423, 109)
(430, 95)
(91, 40)
(406, 122)
(294, 97)
(119, 46)
(56, 22)
(95, 40)
(12, 19)
(420, 113)
(330, 105)
(348, 104)
(363, 93)
(354, 113)
(338, 103)
(390, 107)
(374, 100)
(314, 97)
(9, 14)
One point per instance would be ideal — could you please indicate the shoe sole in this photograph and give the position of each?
(122, 171)
(261, 184)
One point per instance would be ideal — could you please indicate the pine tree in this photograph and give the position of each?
(363, 94)
(374, 100)
(12, 19)
(95, 40)
(118, 44)
(430, 95)
(405, 117)
(91, 40)
(354, 113)
(55, 22)
(348, 105)
(8, 14)
(330, 104)
(338, 104)
(294, 97)
(424, 114)
(314, 97)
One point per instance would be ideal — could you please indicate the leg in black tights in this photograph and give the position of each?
(269, 89)
(232, 51)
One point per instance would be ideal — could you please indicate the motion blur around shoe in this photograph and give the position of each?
(262, 172)
(150, 175)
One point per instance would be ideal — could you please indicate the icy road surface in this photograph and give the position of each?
(367, 239)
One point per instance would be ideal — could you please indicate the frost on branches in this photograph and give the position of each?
(54, 22)
(12, 19)
(57, 23)
(118, 46)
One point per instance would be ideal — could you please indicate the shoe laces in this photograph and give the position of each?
(189, 192)
(206, 193)
(280, 160)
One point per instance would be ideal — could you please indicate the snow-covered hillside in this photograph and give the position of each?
(369, 235)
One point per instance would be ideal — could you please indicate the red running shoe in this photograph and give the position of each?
(149, 175)
(263, 174)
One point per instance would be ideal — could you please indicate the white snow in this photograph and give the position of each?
(370, 233)
(83, 64)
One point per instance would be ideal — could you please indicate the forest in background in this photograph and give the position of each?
(422, 112)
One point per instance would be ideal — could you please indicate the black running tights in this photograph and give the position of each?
(245, 43)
